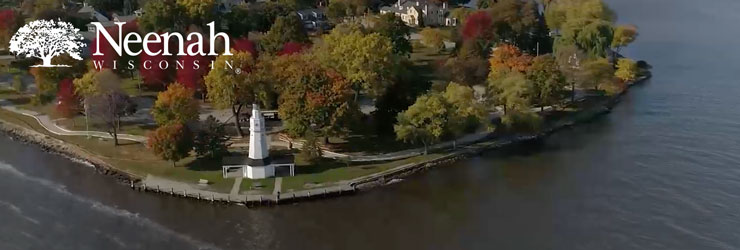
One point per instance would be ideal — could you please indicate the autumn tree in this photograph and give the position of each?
(597, 72)
(156, 71)
(314, 98)
(199, 12)
(286, 29)
(478, 28)
(109, 103)
(467, 113)
(424, 122)
(623, 35)
(627, 70)
(10, 21)
(231, 85)
(175, 105)
(548, 81)
(171, 142)
(366, 61)
(505, 61)
(392, 27)
(68, 103)
(433, 38)
(160, 16)
(211, 140)
(194, 69)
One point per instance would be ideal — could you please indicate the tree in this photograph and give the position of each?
(392, 27)
(478, 27)
(175, 105)
(109, 103)
(314, 98)
(467, 114)
(549, 82)
(211, 141)
(68, 104)
(159, 16)
(47, 39)
(595, 38)
(433, 38)
(467, 70)
(171, 142)
(424, 122)
(195, 68)
(624, 35)
(156, 70)
(627, 70)
(199, 12)
(291, 48)
(597, 72)
(286, 29)
(516, 96)
(508, 58)
(231, 85)
(10, 21)
(365, 61)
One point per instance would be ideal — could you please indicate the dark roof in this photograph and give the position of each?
(234, 160)
(258, 162)
(284, 159)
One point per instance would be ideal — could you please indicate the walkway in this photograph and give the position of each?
(46, 122)
(278, 185)
(237, 186)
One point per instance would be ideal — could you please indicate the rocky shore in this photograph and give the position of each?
(55, 146)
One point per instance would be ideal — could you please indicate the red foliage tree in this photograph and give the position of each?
(291, 48)
(156, 71)
(68, 103)
(192, 69)
(7, 19)
(478, 26)
(244, 44)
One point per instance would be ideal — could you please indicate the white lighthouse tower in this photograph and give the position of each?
(258, 163)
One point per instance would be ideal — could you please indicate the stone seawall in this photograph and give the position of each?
(55, 146)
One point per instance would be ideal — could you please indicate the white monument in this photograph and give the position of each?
(258, 163)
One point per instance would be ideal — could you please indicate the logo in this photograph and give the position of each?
(45, 39)
(166, 44)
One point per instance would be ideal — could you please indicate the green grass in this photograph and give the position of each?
(328, 172)
(78, 124)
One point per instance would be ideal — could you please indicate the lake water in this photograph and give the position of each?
(661, 172)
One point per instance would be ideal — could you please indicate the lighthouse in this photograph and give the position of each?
(258, 163)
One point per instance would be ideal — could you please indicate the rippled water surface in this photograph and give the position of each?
(661, 172)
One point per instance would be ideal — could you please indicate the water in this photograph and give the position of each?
(661, 172)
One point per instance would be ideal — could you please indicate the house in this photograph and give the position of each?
(420, 13)
(313, 19)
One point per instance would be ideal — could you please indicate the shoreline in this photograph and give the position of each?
(56, 146)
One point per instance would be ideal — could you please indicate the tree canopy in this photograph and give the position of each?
(175, 105)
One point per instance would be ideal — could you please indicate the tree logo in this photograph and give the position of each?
(45, 39)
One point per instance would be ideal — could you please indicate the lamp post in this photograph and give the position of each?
(575, 65)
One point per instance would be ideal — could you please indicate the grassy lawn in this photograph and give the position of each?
(134, 158)
(78, 124)
(328, 172)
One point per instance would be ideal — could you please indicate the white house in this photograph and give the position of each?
(420, 12)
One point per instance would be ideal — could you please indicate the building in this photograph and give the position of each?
(313, 19)
(258, 164)
(421, 13)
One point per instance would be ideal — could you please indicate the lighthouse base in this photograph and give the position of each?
(259, 172)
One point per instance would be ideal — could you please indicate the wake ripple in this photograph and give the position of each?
(61, 189)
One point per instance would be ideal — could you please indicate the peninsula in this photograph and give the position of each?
(308, 102)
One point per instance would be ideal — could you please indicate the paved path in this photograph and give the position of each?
(278, 185)
(237, 186)
(46, 122)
